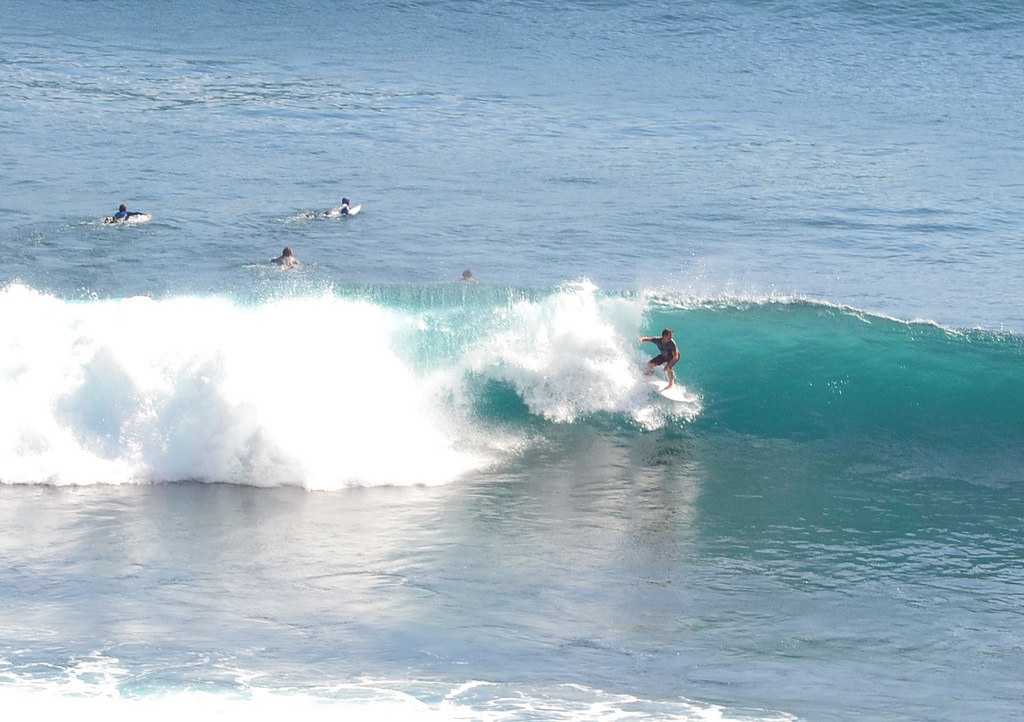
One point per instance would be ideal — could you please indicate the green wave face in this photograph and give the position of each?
(798, 369)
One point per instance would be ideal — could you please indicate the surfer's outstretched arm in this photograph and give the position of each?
(652, 364)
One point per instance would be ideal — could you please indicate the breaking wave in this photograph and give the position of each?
(422, 385)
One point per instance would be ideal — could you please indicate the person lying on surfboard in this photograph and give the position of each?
(123, 214)
(346, 206)
(287, 259)
(669, 355)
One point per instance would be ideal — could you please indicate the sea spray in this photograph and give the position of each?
(573, 354)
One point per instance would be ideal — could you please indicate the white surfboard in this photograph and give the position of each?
(336, 212)
(130, 220)
(676, 392)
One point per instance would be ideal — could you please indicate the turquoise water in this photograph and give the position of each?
(362, 488)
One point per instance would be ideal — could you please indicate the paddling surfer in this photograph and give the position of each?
(287, 259)
(123, 214)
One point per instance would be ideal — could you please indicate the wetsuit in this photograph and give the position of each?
(668, 352)
(121, 215)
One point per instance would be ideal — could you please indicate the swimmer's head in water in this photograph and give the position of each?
(122, 208)
(287, 252)
(467, 274)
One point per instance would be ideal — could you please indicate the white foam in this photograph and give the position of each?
(134, 220)
(307, 391)
(93, 689)
(366, 704)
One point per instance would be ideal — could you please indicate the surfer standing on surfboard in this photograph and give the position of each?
(669, 355)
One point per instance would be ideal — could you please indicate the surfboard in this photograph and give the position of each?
(336, 212)
(130, 220)
(677, 392)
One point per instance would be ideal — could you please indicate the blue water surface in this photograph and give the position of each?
(864, 153)
(834, 532)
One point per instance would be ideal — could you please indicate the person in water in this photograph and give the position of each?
(668, 355)
(468, 277)
(287, 259)
(123, 214)
(346, 206)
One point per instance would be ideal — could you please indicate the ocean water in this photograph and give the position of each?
(364, 490)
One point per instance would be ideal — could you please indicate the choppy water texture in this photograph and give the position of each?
(361, 488)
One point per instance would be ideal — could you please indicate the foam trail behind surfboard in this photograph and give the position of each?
(130, 220)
